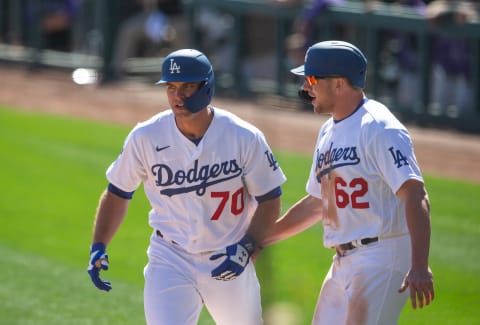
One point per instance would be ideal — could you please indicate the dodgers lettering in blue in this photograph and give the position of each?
(199, 177)
(334, 158)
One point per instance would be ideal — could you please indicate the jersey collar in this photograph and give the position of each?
(363, 101)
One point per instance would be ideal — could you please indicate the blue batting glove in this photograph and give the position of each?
(98, 261)
(237, 259)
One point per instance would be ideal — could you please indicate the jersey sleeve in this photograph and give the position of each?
(313, 185)
(127, 171)
(262, 172)
(393, 154)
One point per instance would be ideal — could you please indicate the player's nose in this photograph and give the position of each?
(179, 93)
(306, 86)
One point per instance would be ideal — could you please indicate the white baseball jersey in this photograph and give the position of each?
(359, 164)
(202, 196)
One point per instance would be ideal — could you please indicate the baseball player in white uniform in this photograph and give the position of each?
(214, 188)
(366, 187)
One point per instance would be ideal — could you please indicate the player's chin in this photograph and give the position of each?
(180, 109)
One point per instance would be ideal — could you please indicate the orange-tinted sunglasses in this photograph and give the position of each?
(313, 80)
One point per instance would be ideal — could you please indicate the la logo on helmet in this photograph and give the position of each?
(174, 67)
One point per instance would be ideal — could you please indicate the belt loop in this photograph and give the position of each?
(357, 243)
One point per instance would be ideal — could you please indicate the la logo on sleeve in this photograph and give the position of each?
(398, 158)
(271, 160)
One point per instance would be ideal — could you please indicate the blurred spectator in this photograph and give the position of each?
(404, 46)
(215, 31)
(451, 92)
(150, 26)
(216, 39)
(260, 52)
(304, 27)
(4, 10)
(56, 21)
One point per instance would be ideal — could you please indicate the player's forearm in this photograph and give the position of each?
(110, 214)
(265, 216)
(418, 222)
(417, 211)
(299, 217)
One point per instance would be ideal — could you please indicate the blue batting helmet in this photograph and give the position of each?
(335, 58)
(189, 65)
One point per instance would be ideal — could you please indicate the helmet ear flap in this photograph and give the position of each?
(201, 98)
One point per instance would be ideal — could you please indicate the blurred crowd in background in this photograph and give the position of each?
(151, 28)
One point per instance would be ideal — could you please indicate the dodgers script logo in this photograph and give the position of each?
(198, 178)
(174, 67)
(334, 158)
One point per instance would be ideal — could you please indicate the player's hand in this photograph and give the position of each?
(421, 287)
(98, 261)
(237, 257)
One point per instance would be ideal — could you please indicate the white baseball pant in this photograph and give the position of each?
(361, 287)
(178, 284)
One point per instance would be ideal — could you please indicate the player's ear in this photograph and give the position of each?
(342, 83)
(338, 82)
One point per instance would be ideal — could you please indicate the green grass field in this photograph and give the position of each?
(52, 171)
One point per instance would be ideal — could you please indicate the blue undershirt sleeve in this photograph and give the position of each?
(276, 192)
(115, 190)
